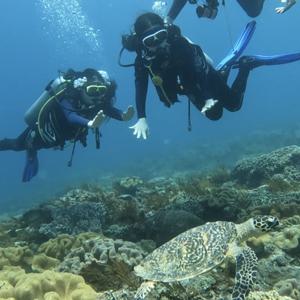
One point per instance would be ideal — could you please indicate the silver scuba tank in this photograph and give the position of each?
(32, 113)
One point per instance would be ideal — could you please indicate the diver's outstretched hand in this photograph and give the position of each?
(287, 6)
(98, 119)
(141, 128)
(128, 114)
(209, 104)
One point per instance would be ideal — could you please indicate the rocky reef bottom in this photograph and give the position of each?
(85, 244)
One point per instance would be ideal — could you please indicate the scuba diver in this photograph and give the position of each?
(70, 105)
(209, 9)
(177, 66)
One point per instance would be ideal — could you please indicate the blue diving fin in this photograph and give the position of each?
(31, 165)
(238, 48)
(254, 61)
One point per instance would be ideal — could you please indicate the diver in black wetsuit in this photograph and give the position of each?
(69, 106)
(178, 67)
(252, 8)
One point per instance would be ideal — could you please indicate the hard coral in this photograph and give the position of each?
(105, 263)
(48, 285)
(128, 185)
(15, 256)
(77, 218)
(289, 287)
(271, 295)
(255, 171)
(60, 246)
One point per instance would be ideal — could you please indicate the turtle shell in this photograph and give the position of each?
(189, 254)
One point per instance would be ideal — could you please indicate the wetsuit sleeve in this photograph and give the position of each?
(141, 87)
(113, 112)
(176, 8)
(71, 115)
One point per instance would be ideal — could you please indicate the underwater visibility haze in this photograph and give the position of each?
(141, 193)
(42, 37)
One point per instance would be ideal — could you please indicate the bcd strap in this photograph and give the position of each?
(97, 138)
(189, 116)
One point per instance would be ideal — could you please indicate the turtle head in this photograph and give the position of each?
(265, 223)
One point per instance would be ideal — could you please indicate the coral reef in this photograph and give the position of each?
(272, 295)
(60, 246)
(18, 285)
(74, 219)
(257, 170)
(15, 256)
(42, 262)
(101, 231)
(128, 185)
(105, 263)
(289, 287)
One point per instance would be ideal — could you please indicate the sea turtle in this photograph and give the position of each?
(202, 248)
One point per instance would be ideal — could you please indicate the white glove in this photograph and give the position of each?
(127, 115)
(141, 129)
(98, 119)
(209, 103)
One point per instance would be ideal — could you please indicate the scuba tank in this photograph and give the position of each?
(53, 89)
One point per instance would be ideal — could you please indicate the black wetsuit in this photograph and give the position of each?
(252, 8)
(69, 124)
(184, 70)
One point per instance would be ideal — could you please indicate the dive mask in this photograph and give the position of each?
(95, 90)
(155, 39)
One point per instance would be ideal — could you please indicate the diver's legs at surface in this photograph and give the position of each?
(252, 8)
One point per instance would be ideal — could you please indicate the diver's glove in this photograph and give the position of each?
(98, 119)
(141, 128)
(127, 115)
(209, 104)
(287, 6)
(168, 21)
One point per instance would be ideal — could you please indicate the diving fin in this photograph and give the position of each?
(31, 165)
(254, 61)
(238, 48)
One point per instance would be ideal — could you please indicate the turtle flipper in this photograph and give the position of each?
(144, 290)
(246, 265)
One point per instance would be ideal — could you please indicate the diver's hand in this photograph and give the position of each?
(168, 21)
(287, 6)
(98, 119)
(127, 115)
(209, 104)
(141, 129)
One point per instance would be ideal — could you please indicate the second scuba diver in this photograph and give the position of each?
(70, 105)
(209, 9)
(176, 66)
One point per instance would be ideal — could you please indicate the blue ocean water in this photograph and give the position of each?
(40, 37)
